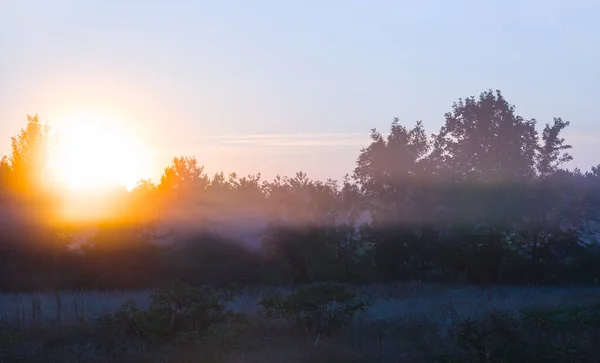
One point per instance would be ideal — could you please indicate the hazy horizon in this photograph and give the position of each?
(277, 87)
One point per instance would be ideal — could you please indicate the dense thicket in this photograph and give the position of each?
(485, 200)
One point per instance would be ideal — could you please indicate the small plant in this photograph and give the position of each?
(175, 311)
(321, 308)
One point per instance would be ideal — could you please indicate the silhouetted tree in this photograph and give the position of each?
(4, 175)
(184, 175)
(311, 227)
(485, 200)
(395, 174)
(552, 152)
(29, 157)
(483, 140)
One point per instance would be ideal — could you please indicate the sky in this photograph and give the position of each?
(281, 86)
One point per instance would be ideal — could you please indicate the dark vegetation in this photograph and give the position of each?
(486, 200)
(318, 322)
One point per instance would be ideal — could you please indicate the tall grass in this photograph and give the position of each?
(403, 301)
(64, 307)
(406, 322)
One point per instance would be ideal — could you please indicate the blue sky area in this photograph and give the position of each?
(279, 86)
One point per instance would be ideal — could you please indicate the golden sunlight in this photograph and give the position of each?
(93, 153)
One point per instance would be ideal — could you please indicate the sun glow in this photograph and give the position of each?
(93, 153)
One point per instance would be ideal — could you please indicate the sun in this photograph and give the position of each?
(93, 153)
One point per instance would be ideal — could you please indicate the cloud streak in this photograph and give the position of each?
(293, 140)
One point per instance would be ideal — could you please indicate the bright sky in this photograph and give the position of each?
(280, 86)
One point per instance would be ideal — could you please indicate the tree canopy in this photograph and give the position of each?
(486, 199)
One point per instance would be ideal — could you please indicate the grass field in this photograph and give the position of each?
(405, 323)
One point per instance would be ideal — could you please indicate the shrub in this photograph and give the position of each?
(128, 320)
(493, 338)
(576, 318)
(534, 335)
(175, 311)
(321, 308)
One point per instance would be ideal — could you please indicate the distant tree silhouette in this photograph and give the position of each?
(477, 200)
(4, 175)
(29, 157)
(552, 152)
(143, 202)
(485, 200)
(313, 228)
(184, 175)
(390, 166)
(483, 140)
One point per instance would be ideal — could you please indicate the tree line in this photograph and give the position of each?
(485, 200)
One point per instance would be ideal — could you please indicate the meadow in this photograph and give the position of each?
(404, 323)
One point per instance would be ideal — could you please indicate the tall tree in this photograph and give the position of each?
(394, 173)
(392, 168)
(552, 153)
(484, 140)
(185, 175)
(29, 157)
(309, 227)
(4, 173)
(594, 172)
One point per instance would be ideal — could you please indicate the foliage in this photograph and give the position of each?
(534, 335)
(484, 140)
(552, 152)
(29, 157)
(321, 308)
(485, 200)
(494, 338)
(209, 259)
(176, 311)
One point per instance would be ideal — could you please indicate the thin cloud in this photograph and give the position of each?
(575, 138)
(294, 140)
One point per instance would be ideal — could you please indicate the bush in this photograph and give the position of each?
(577, 318)
(534, 335)
(320, 308)
(493, 338)
(175, 311)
